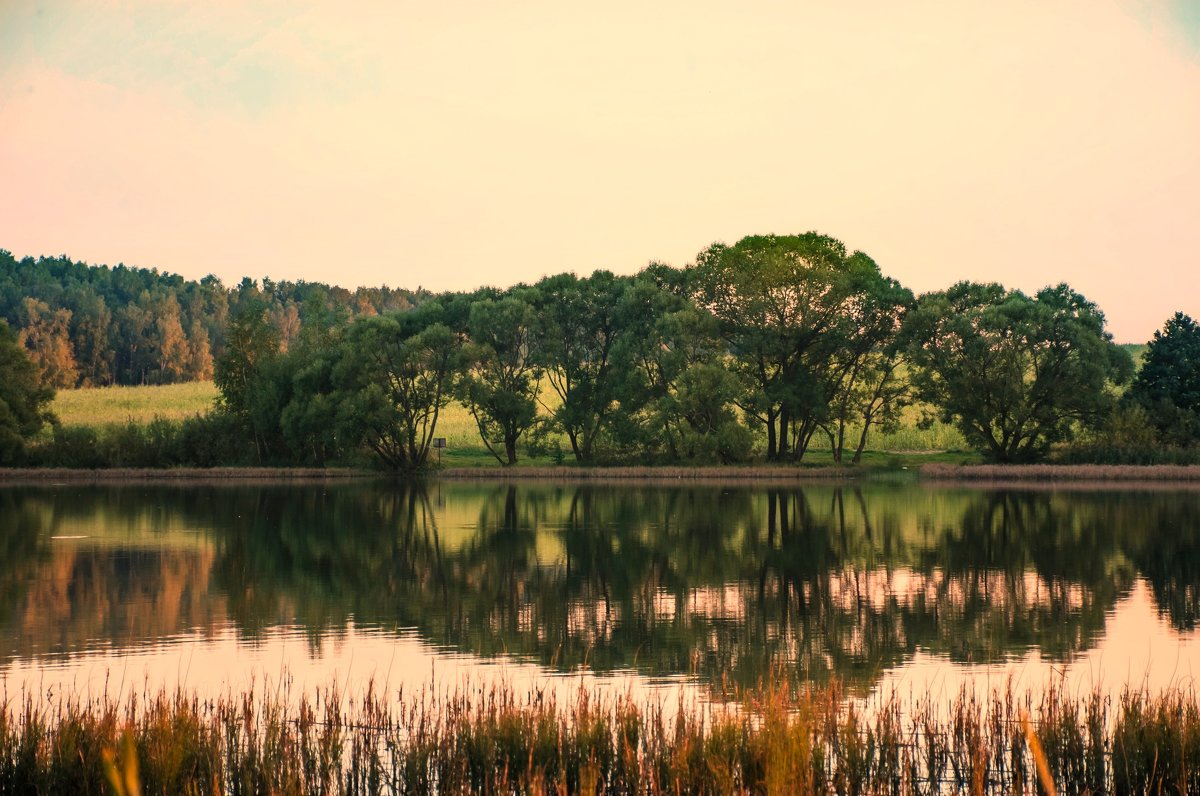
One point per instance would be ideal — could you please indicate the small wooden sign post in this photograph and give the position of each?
(439, 443)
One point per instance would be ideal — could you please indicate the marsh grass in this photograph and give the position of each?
(1042, 473)
(497, 739)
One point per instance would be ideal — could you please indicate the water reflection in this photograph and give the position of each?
(721, 582)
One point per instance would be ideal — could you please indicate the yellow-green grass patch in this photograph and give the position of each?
(99, 407)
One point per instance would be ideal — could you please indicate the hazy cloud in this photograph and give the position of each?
(1023, 142)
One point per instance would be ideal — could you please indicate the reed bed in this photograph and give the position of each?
(499, 740)
(189, 475)
(1060, 472)
(653, 473)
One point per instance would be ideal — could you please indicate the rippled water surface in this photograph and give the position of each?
(882, 586)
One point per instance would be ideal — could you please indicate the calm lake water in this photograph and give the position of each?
(884, 586)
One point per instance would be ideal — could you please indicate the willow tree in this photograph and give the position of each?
(500, 383)
(1014, 374)
(395, 376)
(677, 398)
(789, 308)
(578, 325)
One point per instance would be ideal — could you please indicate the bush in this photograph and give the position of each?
(210, 440)
(1128, 436)
(72, 446)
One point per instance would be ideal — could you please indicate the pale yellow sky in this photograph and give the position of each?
(423, 144)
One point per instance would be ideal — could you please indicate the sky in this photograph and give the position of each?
(452, 145)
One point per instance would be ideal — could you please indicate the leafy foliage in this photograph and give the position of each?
(580, 324)
(95, 325)
(23, 400)
(1168, 384)
(1015, 374)
(798, 315)
(500, 384)
(792, 335)
(395, 375)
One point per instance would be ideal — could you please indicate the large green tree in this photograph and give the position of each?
(246, 375)
(862, 384)
(501, 381)
(1168, 383)
(395, 375)
(578, 326)
(677, 397)
(1015, 374)
(789, 307)
(24, 401)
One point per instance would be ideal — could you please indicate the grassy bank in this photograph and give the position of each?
(496, 740)
(1042, 473)
(664, 473)
(192, 475)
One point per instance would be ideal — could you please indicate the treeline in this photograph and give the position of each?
(90, 326)
(761, 349)
(790, 334)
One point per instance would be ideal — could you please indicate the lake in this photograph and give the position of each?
(888, 587)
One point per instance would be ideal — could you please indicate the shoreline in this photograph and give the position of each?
(650, 473)
(931, 473)
(52, 476)
(1043, 473)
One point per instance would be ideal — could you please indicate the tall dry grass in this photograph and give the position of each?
(1060, 472)
(498, 740)
(103, 407)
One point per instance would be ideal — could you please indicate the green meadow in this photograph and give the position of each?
(106, 408)
(101, 407)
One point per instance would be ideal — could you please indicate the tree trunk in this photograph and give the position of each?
(785, 420)
(573, 437)
(771, 450)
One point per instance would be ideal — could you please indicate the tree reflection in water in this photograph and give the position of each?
(724, 582)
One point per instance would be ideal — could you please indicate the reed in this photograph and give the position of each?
(495, 739)
(1060, 472)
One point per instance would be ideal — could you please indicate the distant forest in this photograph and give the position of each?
(94, 325)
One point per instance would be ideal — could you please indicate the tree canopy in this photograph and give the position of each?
(797, 313)
(1015, 374)
(756, 349)
(1168, 383)
(395, 375)
(24, 401)
(95, 325)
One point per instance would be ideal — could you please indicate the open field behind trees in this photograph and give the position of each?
(100, 407)
(105, 408)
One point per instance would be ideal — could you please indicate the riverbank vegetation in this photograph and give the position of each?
(777, 348)
(501, 740)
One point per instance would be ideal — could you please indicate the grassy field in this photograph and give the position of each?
(106, 407)
(99, 407)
